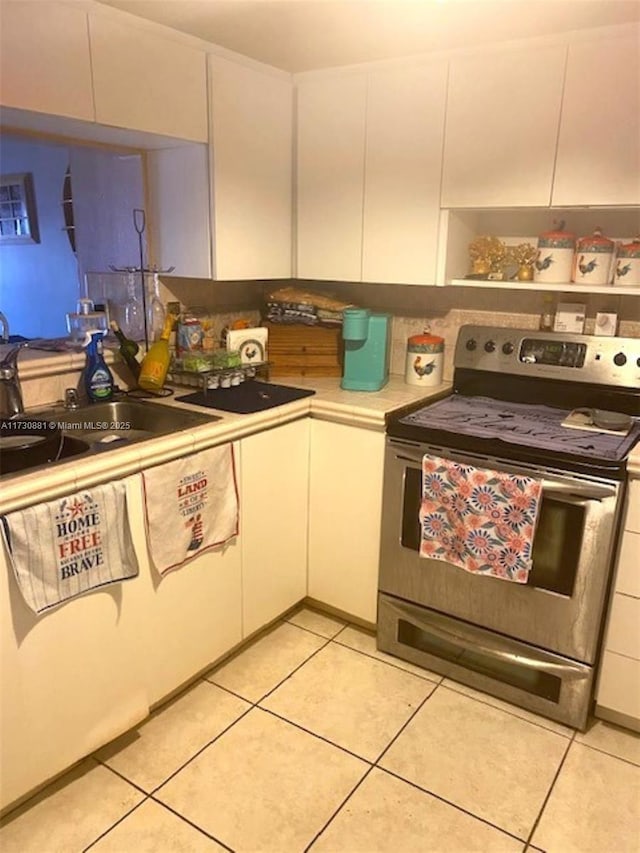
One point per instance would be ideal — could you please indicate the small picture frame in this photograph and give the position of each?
(18, 217)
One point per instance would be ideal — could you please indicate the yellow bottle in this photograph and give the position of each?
(155, 364)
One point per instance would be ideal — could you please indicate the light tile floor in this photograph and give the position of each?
(311, 739)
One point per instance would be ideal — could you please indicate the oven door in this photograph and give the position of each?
(560, 609)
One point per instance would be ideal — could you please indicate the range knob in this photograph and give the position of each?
(638, 362)
(507, 348)
(489, 346)
(471, 344)
(620, 359)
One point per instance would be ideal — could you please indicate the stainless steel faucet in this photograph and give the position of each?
(10, 391)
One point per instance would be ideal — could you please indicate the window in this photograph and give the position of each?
(18, 221)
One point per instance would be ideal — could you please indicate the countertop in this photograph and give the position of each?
(353, 408)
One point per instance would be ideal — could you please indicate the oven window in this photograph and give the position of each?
(556, 547)
(518, 675)
(557, 544)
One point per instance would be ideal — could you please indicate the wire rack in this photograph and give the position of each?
(215, 377)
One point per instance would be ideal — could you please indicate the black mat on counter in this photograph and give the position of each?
(247, 397)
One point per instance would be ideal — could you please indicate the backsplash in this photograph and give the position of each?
(447, 327)
(441, 309)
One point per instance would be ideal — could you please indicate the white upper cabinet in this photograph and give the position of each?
(44, 59)
(405, 128)
(503, 113)
(599, 145)
(251, 114)
(143, 81)
(178, 201)
(330, 176)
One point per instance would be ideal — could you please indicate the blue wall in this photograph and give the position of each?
(39, 281)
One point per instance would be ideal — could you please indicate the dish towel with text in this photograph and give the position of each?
(480, 520)
(62, 549)
(191, 504)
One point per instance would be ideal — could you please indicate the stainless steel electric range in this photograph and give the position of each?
(534, 644)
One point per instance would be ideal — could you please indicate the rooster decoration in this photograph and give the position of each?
(423, 369)
(544, 264)
(585, 269)
(622, 270)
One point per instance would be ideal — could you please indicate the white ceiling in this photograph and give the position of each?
(298, 35)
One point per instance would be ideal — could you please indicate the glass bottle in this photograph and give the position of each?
(547, 316)
(156, 314)
(133, 324)
(155, 364)
(128, 350)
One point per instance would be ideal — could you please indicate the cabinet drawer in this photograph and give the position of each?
(632, 520)
(623, 633)
(619, 685)
(628, 573)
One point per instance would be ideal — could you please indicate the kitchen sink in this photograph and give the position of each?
(124, 420)
(13, 461)
(97, 428)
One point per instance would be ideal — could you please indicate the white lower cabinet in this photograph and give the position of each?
(618, 691)
(186, 619)
(78, 676)
(345, 504)
(72, 678)
(273, 521)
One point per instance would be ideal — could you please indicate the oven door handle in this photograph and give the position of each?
(564, 671)
(589, 491)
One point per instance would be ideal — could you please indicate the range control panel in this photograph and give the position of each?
(552, 355)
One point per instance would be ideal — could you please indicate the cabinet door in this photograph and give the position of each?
(273, 522)
(330, 178)
(106, 189)
(619, 688)
(599, 144)
(251, 139)
(405, 128)
(44, 59)
(185, 620)
(142, 81)
(178, 193)
(345, 503)
(72, 678)
(503, 111)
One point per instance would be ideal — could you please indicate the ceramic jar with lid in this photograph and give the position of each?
(554, 261)
(627, 270)
(425, 360)
(594, 259)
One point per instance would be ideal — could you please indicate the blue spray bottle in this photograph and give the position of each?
(98, 379)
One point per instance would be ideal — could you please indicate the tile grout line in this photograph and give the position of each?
(424, 790)
(549, 792)
(338, 810)
(506, 711)
(440, 678)
(315, 735)
(404, 726)
(610, 754)
(192, 824)
(456, 806)
(113, 825)
(371, 767)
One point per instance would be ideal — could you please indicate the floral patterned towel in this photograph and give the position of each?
(480, 520)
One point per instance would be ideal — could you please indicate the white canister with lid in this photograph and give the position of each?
(594, 259)
(627, 270)
(554, 261)
(425, 360)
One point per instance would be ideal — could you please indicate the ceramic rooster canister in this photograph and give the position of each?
(554, 259)
(593, 262)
